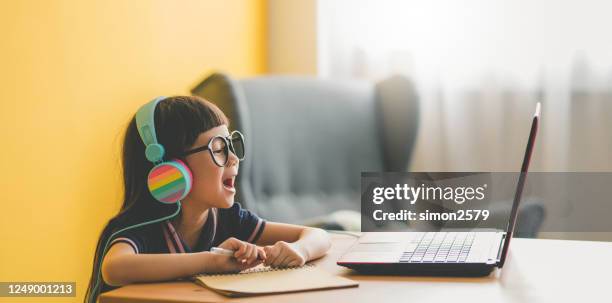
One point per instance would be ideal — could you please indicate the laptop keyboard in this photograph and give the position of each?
(439, 247)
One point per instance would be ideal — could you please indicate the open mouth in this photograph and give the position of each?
(228, 183)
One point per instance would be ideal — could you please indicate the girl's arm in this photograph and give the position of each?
(122, 265)
(292, 245)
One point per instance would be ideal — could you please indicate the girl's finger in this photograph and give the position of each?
(234, 243)
(253, 259)
(261, 253)
(244, 247)
(280, 260)
(244, 253)
(241, 251)
(270, 259)
(294, 263)
(272, 255)
(254, 254)
(285, 261)
(251, 254)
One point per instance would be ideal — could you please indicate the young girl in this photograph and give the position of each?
(207, 217)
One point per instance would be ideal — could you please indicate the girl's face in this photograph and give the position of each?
(213, 186)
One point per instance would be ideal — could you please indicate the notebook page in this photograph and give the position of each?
(266, 281)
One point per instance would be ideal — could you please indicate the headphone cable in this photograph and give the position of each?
(92, 298)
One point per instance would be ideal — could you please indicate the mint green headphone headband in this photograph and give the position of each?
(145, 122)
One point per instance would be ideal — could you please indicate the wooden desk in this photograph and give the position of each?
(536, 271)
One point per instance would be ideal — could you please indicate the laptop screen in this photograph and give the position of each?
(521, 182)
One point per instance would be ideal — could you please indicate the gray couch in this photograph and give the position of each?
(308, 139)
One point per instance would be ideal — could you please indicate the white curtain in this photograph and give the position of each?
(480, 66)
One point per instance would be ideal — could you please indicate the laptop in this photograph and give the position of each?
(444, 253)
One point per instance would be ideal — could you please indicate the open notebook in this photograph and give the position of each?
(265, 280)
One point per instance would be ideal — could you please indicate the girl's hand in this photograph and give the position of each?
(283, 254)
(244, 252)
(227, 264)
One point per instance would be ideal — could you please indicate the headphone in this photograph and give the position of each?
(168, 181)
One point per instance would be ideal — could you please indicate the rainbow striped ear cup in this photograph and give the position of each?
(169, 182)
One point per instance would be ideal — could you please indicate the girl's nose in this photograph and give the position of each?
(233, 159)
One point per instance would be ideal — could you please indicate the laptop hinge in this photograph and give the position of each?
(501, 248)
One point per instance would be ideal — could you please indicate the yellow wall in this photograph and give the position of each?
(72, 73)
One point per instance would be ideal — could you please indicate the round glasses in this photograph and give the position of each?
(219, 148)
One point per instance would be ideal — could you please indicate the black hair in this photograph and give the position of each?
(179, 121)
